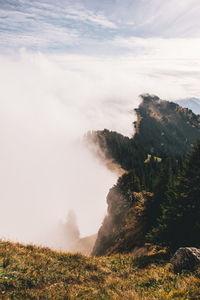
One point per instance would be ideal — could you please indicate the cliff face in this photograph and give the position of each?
(123, 228)
(163, 129)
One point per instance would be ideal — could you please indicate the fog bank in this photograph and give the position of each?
(47, 103)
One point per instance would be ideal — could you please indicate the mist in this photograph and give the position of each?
(47, 103)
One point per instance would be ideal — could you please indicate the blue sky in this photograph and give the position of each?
(93, 26)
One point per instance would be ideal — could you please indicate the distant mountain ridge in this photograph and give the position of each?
(191, 103)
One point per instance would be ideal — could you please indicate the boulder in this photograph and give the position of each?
(186, 258)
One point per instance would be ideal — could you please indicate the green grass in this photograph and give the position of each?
(29, 272)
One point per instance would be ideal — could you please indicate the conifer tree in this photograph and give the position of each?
(160, 189)
(179, 222)
(188, 200)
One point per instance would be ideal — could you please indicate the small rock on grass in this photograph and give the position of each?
(186, 259)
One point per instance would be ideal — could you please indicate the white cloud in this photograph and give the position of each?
(158, 18)
(160, 48)
(32, 30)
(42, 26)
(63, 25)
(88, 16)
(47, 102)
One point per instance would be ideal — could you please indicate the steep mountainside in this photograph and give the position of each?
(163, 129)
(123, 228)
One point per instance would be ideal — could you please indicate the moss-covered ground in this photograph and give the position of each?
(30, 272)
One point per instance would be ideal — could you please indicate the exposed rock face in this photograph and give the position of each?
(186, 258)
(123, 228)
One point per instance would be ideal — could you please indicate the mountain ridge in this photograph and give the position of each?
(163, 129)
(190, 103)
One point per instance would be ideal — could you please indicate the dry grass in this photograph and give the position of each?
(29, 272)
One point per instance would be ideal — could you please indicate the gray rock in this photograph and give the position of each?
(186, 259)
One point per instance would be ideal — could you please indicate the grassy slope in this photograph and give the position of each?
(28, 272)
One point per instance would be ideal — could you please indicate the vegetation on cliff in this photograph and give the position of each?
(153, 160)
(178, 223)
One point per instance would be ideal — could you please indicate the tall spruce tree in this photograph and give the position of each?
(188, 200)
(179, 222)
(160, 189)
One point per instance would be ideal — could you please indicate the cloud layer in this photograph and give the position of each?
(83, 26)
(47, 103)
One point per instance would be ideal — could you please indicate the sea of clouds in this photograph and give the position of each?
(47, 103)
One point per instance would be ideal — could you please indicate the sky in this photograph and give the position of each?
(97, 27)
(67, 67)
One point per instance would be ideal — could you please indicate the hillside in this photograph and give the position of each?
(28, 272)
(163, 130)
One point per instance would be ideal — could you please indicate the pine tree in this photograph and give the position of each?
(188, 200)
(179, 222)
(128, 182)
(160, 189)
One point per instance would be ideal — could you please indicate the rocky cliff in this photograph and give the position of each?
(163, 129)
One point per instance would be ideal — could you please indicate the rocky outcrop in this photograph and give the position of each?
(186, 259)
(123, 228)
